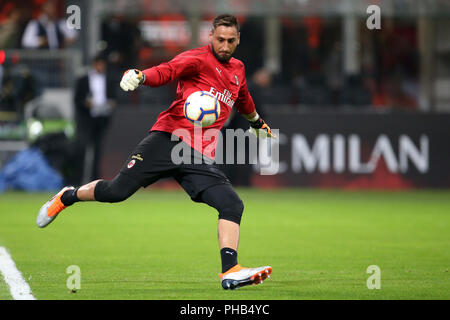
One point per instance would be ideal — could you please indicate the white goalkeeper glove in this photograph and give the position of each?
(131, 79)
(260, 129)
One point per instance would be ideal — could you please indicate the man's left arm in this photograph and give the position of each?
(246, 107)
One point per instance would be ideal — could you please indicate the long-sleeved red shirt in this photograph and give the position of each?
(198, 69)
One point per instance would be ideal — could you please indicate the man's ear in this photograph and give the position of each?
(239, 38)
(210, 36)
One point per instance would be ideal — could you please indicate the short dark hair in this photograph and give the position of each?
(99, 56)
(226, 20)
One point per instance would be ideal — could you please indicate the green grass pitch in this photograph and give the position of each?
(160, 245)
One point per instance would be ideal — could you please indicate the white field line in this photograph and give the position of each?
(19, 288)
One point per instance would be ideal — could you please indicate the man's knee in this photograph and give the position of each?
(232, 211)
(224, 199)
(116, 190)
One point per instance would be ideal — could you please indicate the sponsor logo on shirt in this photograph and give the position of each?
(224, 97)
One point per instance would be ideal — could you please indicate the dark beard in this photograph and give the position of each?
(221, 60)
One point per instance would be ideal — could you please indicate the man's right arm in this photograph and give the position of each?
(131, 79)
(182, 65)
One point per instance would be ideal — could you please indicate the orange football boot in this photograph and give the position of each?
(238, 276)
(50, 210)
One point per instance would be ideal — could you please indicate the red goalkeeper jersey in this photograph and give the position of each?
(198, 69)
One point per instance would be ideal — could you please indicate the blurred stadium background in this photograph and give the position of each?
(356, 107)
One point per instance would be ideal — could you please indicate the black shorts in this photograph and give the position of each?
(151, 160)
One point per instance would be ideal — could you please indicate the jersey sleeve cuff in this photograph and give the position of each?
(151, 77)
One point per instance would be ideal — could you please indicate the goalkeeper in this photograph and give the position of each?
(210, 68)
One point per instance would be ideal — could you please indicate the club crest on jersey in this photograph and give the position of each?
(237, 80)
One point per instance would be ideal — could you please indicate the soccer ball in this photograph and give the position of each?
(201, 108)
